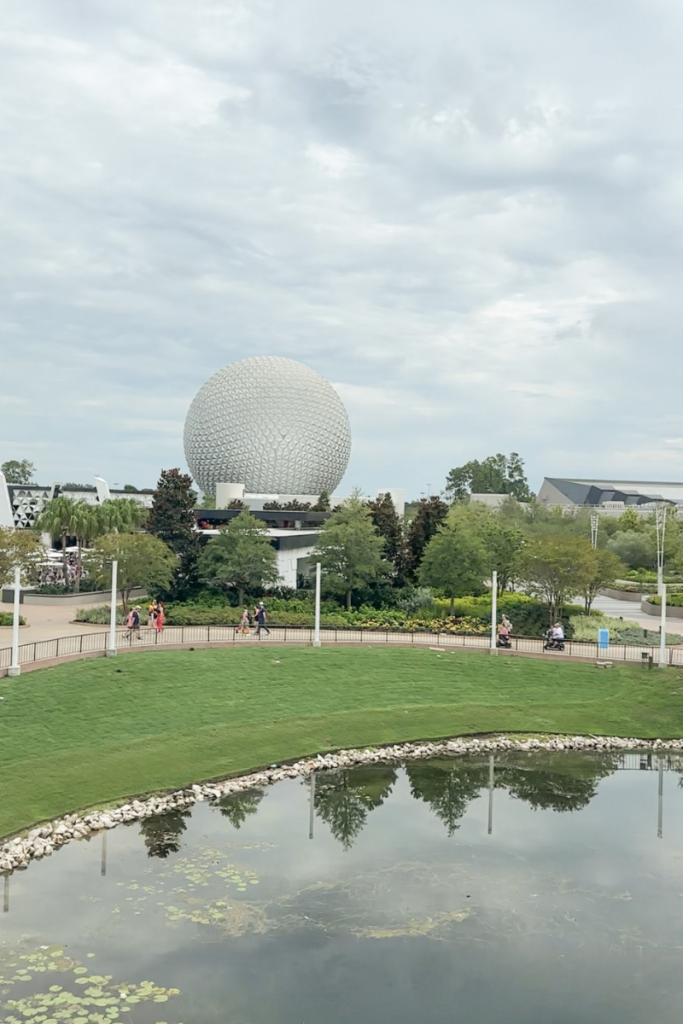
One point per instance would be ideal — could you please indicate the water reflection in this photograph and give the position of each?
(402, 909)
(237, 807)
(162, 832)
(558, 782)
(344, 799)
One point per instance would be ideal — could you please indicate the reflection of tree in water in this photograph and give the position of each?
(237, 807)
(447, 786)
(343, 799)
(566, 782)
(558, 782)
(162, 832)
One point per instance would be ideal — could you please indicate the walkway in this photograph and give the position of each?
(76, 646)
(45, 622)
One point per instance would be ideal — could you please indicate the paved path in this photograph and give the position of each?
(45, 622)
(631, 610)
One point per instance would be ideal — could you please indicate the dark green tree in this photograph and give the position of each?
(323, 503)
(241, 556)
(500, 537)
(18, 472)
(389, 527)
(237, 807)
(162, 832)
(448, 787)
(431, 513)
(171, 519)
(497, 474)
(343, 799)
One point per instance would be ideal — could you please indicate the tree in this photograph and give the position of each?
(431, 513)
(388, 526)
(497, 474)
(143, 561)
(501, 537)
(59, 519)
(241, 556)
(556, 568)
(454, 562)
(634, 547)
(343, 799)
(323, 503)
(349, 549)
(237, 807)
(17, 472)
(171, 519)
(607, 568)
(19, 549)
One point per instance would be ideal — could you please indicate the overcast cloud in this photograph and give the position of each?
(466, 216)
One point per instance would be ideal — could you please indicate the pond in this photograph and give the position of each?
(541, 887)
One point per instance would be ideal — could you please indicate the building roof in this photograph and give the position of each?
(586, 491)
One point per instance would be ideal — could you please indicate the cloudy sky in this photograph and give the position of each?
(466, 216)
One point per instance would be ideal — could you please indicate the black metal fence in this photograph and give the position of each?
(86, 643)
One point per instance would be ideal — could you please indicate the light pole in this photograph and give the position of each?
(491, 769)
(316, 629)
(15, 667)
(595, 521)
(660, 524)
(494, 610)
(662, 627)
(111, 650)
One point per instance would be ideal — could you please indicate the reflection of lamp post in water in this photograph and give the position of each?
(660, 802)
(311, 817)
(5, 904)
(490, 794)
(103, 862)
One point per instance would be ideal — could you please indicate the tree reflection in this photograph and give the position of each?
(237, 807)
(558, 782)
(343, 799)
(447, 786)
(162, 832)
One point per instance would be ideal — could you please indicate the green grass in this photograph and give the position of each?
(95, 731)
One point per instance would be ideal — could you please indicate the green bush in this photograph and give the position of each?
(621, 631)
(7, 618)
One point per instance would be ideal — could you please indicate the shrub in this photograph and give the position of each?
(7, 618)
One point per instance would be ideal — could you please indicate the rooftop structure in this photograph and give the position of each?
(21, 504)
(610, 495)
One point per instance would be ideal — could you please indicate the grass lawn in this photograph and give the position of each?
(96, 731)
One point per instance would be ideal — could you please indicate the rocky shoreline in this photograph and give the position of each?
(42, 841)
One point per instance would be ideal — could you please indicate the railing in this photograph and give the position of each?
(87, 643)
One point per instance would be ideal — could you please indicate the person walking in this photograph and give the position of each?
(129, 624)
(152, 617)
(245, 622)
(160, 619)
(136, 622)
(261, 618)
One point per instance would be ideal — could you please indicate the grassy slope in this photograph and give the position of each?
(94, 731)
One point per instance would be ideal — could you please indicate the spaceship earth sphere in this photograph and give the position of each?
(269, 423)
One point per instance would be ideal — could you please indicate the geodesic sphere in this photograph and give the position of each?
(269, 423)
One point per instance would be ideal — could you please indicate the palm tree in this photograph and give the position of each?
(58, 518)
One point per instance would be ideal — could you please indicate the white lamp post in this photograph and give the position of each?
(660, 525)
(111, 650)
(595, 522)
(662, 626)
(494, 610)
(316, 629)
(15, 667)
